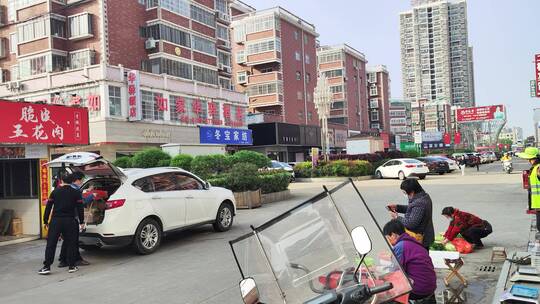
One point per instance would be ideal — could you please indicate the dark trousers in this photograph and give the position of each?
(63, 250)
(67, 227)
(418, 299)
(474, 235)
(537, 220)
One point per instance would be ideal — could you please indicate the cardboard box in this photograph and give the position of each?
(16, 227)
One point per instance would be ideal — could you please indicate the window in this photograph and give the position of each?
(224, 58)
(295, 35)
(180, 7)
(203, 16)
(266, 70)
(31, 30)
(373, 90)
(308, 59)
(204, 75)
(375, 126)
(336, 89)
(19, 179)
(298, 75)
(222, 32)
(221, 6)
(241, 77)
(14, 5)
(167, 33)
(240, 57)
(333, 73)
(41, 64)
(58, 28)
(204, 45)
(79, 59)
(299, 95)
(225, 83)
(374, 103)
(260, 24)
(310, 116)
(308, 77)
(144, 184)
(263, 46)
(169, 67)
(265, 89)
(164, 182)
(149, 106)
(297, 56)
(374, 116)
(330, 57)
(301, 115)
(115, 101)
(13, 43)
(80, 26)
(184, 182)
(372, 77)
(308, 97)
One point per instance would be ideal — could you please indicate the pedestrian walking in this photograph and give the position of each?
(75, 181)
(415, 261)
(462, 165)
(470, 226)
(417, 217)
(66, 202)
(533, 156)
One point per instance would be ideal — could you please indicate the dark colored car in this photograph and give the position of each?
(435, 165)
(473, 160)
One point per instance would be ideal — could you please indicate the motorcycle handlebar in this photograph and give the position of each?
(382, 288)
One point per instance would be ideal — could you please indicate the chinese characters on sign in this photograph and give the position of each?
(481, 113)
(43, 124)
(134, 96)
(227, 136)
(537, 66)
(197, 111)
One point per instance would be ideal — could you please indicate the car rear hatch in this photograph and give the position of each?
(99, 173)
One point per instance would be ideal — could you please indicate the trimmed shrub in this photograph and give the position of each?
(150, 158)
(412, 154)
(219, 181)
(250, 157)
(182, 161)
(243, 177)
(207, 165)
(123, 162)
(274, 182)
(360, 168)
(303, 169)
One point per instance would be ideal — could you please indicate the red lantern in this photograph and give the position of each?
(457, 138)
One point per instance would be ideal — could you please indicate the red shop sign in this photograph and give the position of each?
(481, 113)
(31, 123)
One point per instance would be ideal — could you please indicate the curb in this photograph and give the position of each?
(331, 179)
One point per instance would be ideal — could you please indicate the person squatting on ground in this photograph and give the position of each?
(471, 227)
(417, 217)
(533, 156)
(75, 180)
(415, 261)
(67, 204)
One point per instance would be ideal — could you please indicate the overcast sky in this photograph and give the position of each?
(505, 35)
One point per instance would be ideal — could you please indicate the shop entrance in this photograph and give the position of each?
(19, 200)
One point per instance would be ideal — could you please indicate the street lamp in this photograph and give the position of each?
(323, 99)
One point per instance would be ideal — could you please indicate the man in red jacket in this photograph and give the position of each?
(471, 227)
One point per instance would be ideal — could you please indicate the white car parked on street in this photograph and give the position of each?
(140, 206)
(402, 168)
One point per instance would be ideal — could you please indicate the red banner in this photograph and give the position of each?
(31, 123)
(457, 138)
(446, 139)
(537, 65)
(481, 113)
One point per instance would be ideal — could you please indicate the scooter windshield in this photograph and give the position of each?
(308, 251)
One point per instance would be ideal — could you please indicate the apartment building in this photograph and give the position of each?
(437, 62)
(515, 134)
(275, 64)
(345, 69)
(378, 85)
(437, 117)
(400, 119)
(149, 71)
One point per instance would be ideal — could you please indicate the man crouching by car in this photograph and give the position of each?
(68, 206)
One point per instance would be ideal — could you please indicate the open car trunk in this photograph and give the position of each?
(103, 188)
(99, 174)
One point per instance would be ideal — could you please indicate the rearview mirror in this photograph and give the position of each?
(249, 291)
(361, 240)
(207, 185)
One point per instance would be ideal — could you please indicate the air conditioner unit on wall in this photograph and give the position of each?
(227, 69)
(226, 44)
(150, 44)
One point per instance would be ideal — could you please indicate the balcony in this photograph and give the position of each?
(274, 99)
(261, 58)
(335, 80)
(265, 77)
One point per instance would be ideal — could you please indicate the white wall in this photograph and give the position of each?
(27, 210)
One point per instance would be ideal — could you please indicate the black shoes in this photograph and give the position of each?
(72, 269)
(45, 270)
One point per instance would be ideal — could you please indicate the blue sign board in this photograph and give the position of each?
(225, 136)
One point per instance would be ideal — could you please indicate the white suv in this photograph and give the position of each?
(140, 206)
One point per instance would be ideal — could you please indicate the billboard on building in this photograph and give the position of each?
(134, 95)
(32, 123)
(537, 68)
(495, 112)
(225, 136)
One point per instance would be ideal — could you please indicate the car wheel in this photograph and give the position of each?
(441, 173)
(422, 177)
(378, 174)
(401, 175)
(147, 237)
(224, 218)
(89, 247)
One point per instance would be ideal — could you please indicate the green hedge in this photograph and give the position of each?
(206, 166)
(123, 162)
(243, 180)
(182, 161)
(274, 182)
(150, 158)
(244, 156)
(352, 168)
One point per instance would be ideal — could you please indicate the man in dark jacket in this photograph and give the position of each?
(417, 217)
(66, 202)
(415, 261)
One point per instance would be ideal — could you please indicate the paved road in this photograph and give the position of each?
(197, 266)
